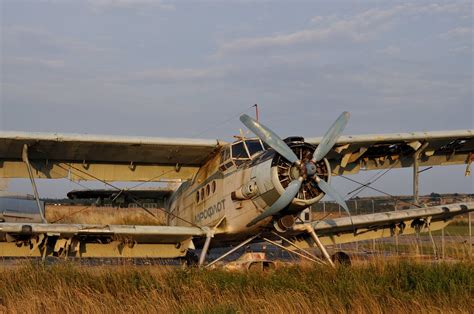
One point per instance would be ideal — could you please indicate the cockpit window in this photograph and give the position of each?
(244, 150)
(239, 151)
(254, 146)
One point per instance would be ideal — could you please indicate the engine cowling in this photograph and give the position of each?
(273, 175)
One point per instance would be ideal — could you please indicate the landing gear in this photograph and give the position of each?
(190, 259)
(341, 258)
(321, 247)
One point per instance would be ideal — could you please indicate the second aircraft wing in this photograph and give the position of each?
(382, 151)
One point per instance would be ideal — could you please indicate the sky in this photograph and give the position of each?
(189, 68)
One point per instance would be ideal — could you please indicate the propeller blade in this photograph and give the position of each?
(331, 136)
(283, 201)
(329, 190)
(269, 137)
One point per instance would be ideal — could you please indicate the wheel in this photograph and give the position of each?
(255, 266)
(341, 258)
(261, 266)
(191, 259)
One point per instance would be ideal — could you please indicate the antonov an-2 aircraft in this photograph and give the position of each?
(254, 189)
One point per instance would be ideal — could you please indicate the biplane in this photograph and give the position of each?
(232, 194)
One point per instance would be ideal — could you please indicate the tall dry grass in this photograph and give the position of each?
(457, 248)
(104, 215)
(395, 287)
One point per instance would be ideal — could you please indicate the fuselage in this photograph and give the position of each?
(237, 183)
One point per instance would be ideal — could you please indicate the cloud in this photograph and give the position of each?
(391, 51)
(26, 61)
(102, 5)
(457, 32)
(361, 27)
(462, 50)
(174, 75)
(21, 37)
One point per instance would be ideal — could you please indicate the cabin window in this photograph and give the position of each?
(202, 194)
(197, 197)
(213, 186)
(208, 190)
(226, 161)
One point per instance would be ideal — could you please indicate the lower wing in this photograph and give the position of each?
(78, 240)
(382, 225)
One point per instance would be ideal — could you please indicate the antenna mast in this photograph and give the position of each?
(256, 111)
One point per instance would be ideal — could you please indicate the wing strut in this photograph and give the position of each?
(24, 156)
(416, 172)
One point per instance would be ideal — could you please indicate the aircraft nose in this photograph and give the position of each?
(310, 168)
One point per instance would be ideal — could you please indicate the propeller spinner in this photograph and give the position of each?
(308, 167)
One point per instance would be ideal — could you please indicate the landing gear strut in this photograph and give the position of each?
(321, 247)
(338, 257)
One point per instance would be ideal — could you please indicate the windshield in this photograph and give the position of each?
(239, 151)
(254, 146)
(244, 150)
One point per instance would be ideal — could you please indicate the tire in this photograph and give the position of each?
(191, 259)
(341, 258)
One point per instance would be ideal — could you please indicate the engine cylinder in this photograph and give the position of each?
(284, 172)
(284, 223)
(274, 173)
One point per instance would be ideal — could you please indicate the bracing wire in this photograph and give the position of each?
(141, 183)
(225, 121)
(131, 196)
(372, 180)
(380, 191)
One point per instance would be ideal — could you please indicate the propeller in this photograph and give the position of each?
(283, 201)
(270, 138)
(331, 136)
(275, 142)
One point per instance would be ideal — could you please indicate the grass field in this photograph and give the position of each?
(378, 286)
(104, 215)
(457, 251)
(454, 230)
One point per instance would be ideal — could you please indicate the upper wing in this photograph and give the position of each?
(109, 158)
(380, 151)
(380, 225)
